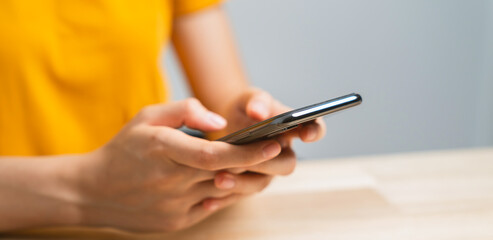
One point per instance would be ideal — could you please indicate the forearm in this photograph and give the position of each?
(38, 191)
(205, 46)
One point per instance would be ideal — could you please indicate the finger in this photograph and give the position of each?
(260, 99)
(246, 183)
(225, 184)
(189, 112)
(278, 108)
(286, 138)
(284, 164)
(308, 132)
(312, 131)
(219, 203)
(258, 105)
(206, 189)
(188, 177)
(213, 155)
(237, 170)
(147, 139)
(207, 207)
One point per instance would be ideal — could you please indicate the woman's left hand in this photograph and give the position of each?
(256, 105)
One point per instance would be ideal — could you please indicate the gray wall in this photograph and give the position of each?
(424, 69)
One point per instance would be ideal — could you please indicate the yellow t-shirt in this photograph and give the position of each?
(73, 72)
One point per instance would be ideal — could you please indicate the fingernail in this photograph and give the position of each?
(212, 206)
(227, 182)
(260, 108)
(271, 150)
(216, 120)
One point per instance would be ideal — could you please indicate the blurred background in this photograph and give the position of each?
(423, 67)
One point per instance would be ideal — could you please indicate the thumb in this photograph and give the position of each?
(189, 112)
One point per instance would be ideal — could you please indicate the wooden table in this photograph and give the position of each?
(431, 195)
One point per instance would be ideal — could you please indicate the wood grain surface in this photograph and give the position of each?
(429, 195)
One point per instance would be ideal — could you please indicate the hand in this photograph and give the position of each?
(151, 176)
(256, 105)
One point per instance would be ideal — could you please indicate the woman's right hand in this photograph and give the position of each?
(153, 177)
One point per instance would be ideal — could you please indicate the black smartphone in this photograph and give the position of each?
(289, 120)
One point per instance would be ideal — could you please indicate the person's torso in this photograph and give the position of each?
(73, 72)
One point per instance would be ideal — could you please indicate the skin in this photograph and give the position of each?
(241, 104)
(151, 176)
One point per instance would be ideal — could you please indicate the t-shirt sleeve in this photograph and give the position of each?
(181, 7)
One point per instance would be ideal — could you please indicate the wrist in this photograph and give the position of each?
(63, 188)
(78, 183)
(40, 191)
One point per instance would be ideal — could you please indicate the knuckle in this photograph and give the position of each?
(154, 146)
(208, 157)
(290, 169)
(156, 135)
(191, 104)
(264, 183)
(145, 112)
(291, 166)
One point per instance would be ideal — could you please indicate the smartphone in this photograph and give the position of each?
(289, 120)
